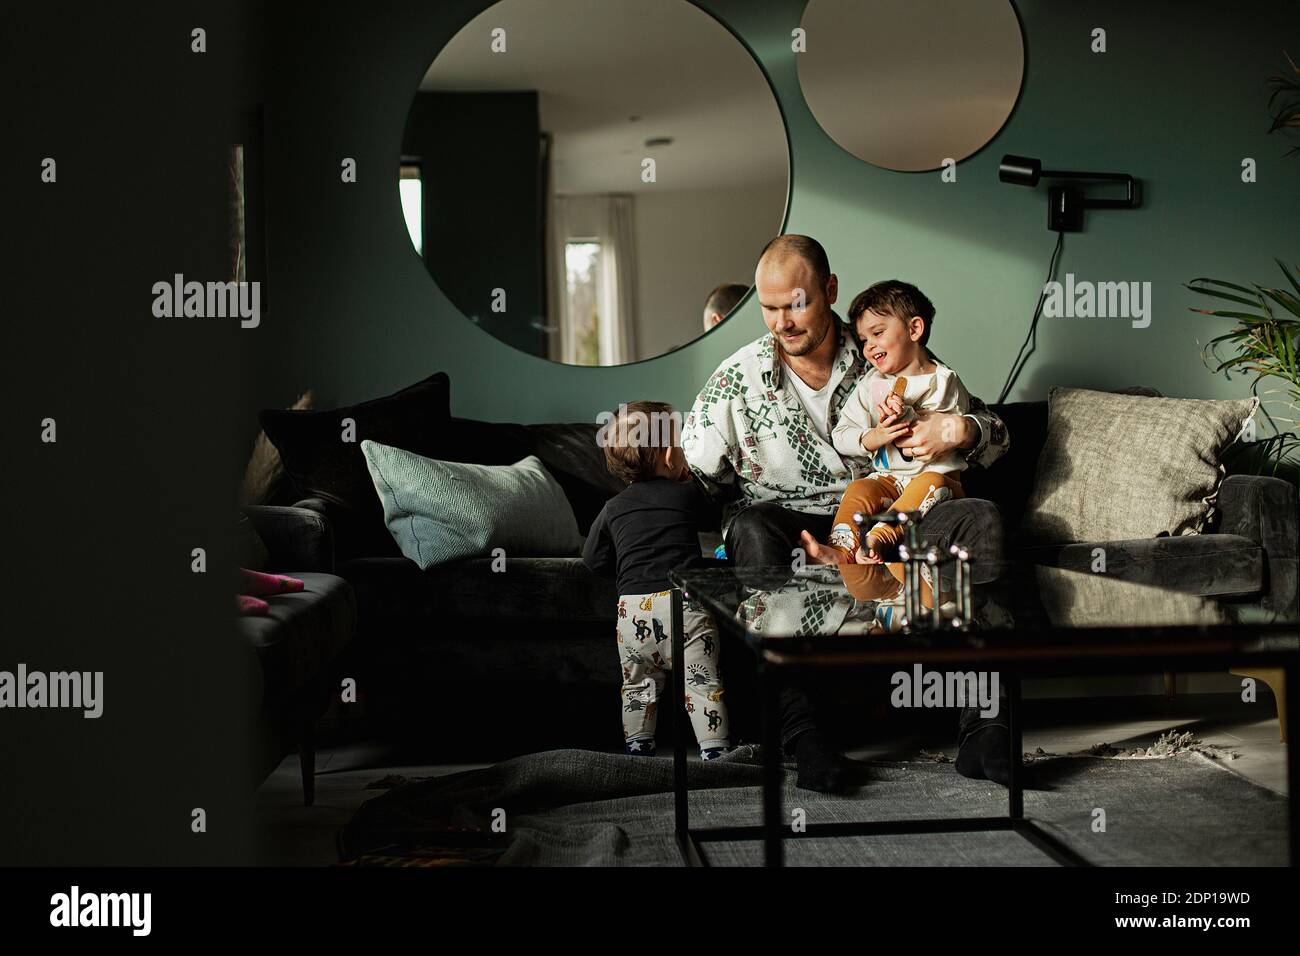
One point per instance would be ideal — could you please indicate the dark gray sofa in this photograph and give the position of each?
(1252, 548)
(461, 656)
(299, 642)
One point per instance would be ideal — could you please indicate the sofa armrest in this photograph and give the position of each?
(1266, 511)
(1263, 509)
(298, 538)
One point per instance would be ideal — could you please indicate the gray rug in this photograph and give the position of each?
(579, 808)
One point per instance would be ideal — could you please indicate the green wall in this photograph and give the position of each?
(1178, 101)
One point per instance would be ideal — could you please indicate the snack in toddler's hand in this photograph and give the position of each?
(908, 415)
(904, 410)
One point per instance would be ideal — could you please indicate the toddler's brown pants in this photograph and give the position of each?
(868, 496)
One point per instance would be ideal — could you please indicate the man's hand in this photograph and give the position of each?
(937, 433)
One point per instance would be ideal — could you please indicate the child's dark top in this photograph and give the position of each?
(645, 531)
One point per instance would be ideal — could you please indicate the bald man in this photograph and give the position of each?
(758, 438)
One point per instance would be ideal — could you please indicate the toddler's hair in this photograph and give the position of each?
(636, 437)
(897, 298)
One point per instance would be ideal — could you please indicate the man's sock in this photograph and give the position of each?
(986, 755)
(820, 767)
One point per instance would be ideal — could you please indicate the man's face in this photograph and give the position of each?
(796, 310)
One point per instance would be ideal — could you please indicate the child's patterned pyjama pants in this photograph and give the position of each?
(645, 651)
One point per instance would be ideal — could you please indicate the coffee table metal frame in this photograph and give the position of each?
(1107, 651)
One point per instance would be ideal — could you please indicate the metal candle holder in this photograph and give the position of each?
(915, 556)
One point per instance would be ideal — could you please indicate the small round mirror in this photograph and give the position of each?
(582, 177)
(908, 84)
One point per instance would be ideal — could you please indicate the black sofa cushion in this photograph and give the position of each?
(1009, 480)
(529, 591)
(1206, 564)
(321, 465)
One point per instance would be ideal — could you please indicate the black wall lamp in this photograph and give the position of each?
(1067, 201)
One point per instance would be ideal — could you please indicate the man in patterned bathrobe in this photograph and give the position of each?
(758, 438)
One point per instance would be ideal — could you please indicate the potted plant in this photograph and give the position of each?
(1284, 103)
(1265, 342)
(1266, 337)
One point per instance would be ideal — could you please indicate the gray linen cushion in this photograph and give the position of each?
(1116, 467)
(440, 511)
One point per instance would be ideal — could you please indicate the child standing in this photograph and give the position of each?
(641, 534)
(893, 322)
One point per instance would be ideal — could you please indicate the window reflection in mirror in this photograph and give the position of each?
(412, 200)
(581, 262)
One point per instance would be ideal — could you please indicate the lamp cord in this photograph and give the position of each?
(1031, 340)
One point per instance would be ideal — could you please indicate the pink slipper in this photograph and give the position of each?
(251, 605)
(255, 582)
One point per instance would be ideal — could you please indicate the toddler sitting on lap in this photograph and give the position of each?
(893, 321)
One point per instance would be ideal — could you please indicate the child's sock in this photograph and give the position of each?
(255, 582)
(640, 746)
(844, 539)
(251, 605)
(713, 749)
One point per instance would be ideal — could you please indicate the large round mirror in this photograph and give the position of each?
(590, 181)
(907, 84)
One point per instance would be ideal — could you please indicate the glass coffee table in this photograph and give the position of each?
(1031, 621)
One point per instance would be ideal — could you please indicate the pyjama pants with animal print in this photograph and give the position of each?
(645, 651)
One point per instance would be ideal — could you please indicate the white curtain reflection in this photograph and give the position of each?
(593, 278)
(617, 291)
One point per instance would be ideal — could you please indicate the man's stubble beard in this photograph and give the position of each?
(809, 344)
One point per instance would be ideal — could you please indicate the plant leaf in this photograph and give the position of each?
(1243, 316)
(1230, 285)
(1289, 277)
(1287, 301)
(1225, 295)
